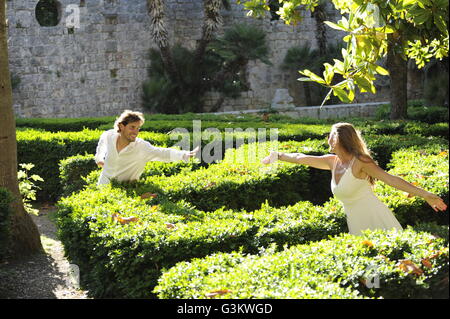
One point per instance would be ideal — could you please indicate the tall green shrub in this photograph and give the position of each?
(222, 69)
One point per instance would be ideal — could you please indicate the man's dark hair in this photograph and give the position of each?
(128, 117)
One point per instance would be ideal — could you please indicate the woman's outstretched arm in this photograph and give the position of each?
(377, 172)
(320, 162)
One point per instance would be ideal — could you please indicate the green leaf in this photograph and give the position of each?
(339, 66)
(408, 2)
(422, 17)
(314, 77)
(380, 70)
(305, 80)
(440, 23)
(328, 74)
(335, 26)
(364, 84)
(341, 94)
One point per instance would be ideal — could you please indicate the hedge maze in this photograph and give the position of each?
(238, 229)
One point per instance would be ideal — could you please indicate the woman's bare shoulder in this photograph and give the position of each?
(330, 158)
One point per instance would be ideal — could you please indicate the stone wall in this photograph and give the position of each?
(98, 69)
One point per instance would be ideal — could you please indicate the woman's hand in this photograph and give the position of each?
(273, 157)
(435, 202)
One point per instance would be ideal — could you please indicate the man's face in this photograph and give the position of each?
(130, 131)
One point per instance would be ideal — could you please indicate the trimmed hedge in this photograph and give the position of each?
(336, 268)
(79, 124)
(45, 150)
(64, 124)
(240, 184)
(165, 123)
(229, 183)
(427, 114)
(382, 146)
(6, 199)
(426, 167)
(78, 171)
(402, 128)
(239, 174)
(73, 169)
(126, 260)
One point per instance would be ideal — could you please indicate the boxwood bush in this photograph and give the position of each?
(418, 112)
(45, 150)
(241, 183)
(80, 170)
(406, 264)
(126, 260)
(426, 167)
(382, 146)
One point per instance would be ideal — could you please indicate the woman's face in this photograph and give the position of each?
(333, 140)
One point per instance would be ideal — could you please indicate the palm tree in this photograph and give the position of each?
(212, 21)
(239, 44)
(160, 35)
(319, 14)
(25, 238)
(299, 58)
(303, 57)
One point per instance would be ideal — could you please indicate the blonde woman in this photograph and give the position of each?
(353, 174)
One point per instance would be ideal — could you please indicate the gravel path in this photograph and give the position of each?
(42, 276)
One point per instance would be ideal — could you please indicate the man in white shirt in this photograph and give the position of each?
(123, 155)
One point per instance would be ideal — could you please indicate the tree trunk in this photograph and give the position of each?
(307, 90)
(218, 104)
(25, 238)
(398, 72)
(319, 14)
(160, 35)
(211, 23)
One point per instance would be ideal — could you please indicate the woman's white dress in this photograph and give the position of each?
(363, 209)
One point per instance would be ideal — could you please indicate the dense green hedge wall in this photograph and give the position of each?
(334, 268)
(427, 114)
(126, 260)
(382, 146)
(45, 150)
(426, 167)
(74, 171)
(436, 116)
(6, 199)
(229, 183)
(64, 124)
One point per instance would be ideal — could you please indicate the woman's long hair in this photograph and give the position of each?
(351, 141)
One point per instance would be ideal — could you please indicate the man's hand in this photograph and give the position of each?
(191, 153)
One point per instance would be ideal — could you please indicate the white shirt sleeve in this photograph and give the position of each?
(152, 153)
(101, 148)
